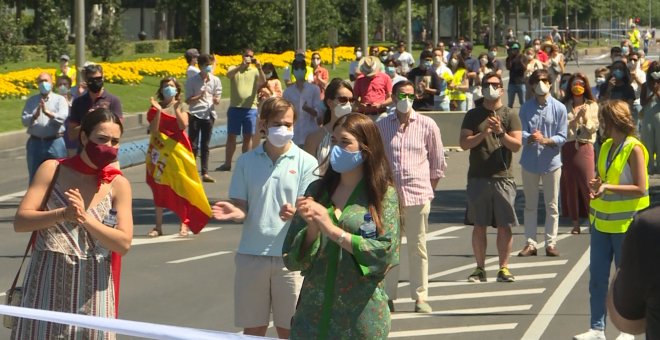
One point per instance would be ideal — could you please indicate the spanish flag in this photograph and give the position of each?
(172, 174)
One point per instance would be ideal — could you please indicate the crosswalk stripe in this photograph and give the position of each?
(479, 295)
(469, 311)
(491, 280)
(453, 330)
(531, 264)
(471, 265)
(432, 236)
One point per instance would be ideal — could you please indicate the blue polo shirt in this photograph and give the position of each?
(267, 186)
(551, 120)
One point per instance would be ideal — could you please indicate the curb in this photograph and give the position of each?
(135, 152)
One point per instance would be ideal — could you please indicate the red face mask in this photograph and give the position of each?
(100, 154)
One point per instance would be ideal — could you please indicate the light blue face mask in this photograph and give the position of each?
(45, 87)
(299, 74)
(344, 161)
(618, 74)
(168, 92)
(208, 69)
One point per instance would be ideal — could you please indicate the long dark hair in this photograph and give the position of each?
(376, 172)
(331, 93)
(272, 67)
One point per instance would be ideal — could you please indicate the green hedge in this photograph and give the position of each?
(37, 52)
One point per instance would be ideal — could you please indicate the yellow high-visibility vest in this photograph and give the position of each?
(612, 212)
(456, 80)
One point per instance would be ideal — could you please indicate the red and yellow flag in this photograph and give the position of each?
(172, 174)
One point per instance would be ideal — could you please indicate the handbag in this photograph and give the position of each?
(14, 295)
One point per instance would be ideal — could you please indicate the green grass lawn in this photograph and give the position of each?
(134, 98)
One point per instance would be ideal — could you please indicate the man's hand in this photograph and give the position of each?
(309, 110)
(224, 211)
(494, 125)
(287, 211)
(537, 136)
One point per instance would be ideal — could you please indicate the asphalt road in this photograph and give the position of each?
(189, 281)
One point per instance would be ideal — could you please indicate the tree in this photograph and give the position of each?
(10, 36)
(105, 37)
(53, 32)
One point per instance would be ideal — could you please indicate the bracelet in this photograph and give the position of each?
(340, 240)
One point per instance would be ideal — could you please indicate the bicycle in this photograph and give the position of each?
(570, 51)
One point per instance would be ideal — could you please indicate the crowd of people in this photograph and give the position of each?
(347, 167)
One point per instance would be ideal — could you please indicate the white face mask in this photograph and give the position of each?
(343, 109)
(542, 88)
(404, 106)
(454, 62)
(600, 81)
(491, 93)
(279, 136)
(358, 55)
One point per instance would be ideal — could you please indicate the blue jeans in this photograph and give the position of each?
(39, 150)
(604, 246)
(514, 89)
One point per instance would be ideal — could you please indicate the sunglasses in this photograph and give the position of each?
(495, 85)
(403, 96)
(545, 80)
(316, 58)
(344, 99)
(90, 79)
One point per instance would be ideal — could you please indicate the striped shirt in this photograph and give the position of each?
(416, 156)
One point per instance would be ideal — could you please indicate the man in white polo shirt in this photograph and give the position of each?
(270, 176)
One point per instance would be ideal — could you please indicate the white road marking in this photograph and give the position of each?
(12, 196)
(432, 236)
(470, 311)
(531, 264)
(453, 330)
(492, 280)
(496, 293)
(472, 265)
(200, 257)
(168, 238)
(547, 313)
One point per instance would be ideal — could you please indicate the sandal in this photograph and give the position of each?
(184, 232)
(155, 232)
(576, 230)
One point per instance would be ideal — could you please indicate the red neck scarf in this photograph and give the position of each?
(106, 174)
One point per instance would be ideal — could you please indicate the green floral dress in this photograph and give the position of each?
(343, 296)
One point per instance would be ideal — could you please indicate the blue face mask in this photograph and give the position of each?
(208, 69)
(343, 161)
(391, 70)
(299, 74)
(168, 92)
(618, 74)
(428, 64)
(45, 87)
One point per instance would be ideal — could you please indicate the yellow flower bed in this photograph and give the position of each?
(18, 83)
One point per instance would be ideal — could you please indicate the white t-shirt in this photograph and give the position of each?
(191, 71)
(406, 59)
(306, 123)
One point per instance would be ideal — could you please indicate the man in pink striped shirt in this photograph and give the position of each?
(414, 149)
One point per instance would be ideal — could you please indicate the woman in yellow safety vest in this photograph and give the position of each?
(457, 84)
(618, 192)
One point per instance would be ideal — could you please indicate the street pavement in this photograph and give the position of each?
(189, 281)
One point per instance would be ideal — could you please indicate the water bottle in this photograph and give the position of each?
(368, 227)
(111, 218)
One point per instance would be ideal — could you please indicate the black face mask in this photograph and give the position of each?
(95, 85)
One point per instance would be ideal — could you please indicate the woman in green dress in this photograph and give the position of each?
(342, 262)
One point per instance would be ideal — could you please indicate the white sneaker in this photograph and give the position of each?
(625, 336)
(591, 334)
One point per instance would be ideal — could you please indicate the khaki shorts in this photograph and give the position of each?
(262, 284)
(491, 202)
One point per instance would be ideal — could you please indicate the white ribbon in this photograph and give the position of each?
(125, 327)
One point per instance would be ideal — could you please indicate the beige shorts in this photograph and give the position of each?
(263, 284)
